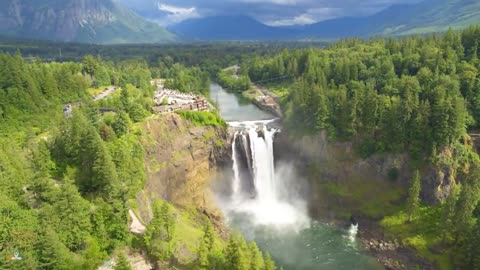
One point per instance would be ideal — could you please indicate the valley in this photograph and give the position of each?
(240, 135)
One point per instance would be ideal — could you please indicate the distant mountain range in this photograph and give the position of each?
(108, 22)
(229, 28)
(425, 17)
(88, 21)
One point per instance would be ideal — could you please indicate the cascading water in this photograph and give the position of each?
(236, 169)
(266, 205)
(264, 202)
(352, 232)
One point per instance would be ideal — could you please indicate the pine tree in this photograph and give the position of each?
(449, 211)
(206, 247)
(122, 263)
(475, 246)
(413, 202)
(159, 235)
(71, 216)
(237, 255)
(121, 124)
(90, 65)
(269, 263)
(52, 253)
(256, 258)
(465, 206)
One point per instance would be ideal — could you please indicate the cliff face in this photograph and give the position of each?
(92, 21)
(182, 162)
(342, 183)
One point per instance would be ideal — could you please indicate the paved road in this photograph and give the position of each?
(108, 91)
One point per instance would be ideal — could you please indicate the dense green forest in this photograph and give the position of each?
(419, 95)
(67, 182)
(234, 82)
(68, 179)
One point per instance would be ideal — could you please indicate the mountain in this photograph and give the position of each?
(229, 28)
(89, 21)
(425, 17)
(403, 19)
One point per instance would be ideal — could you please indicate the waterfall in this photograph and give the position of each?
(253, 141)
(263, 163)
(352, 232)
(235, 168)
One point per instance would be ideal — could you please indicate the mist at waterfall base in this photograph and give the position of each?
(265, 198)
(267, 195)
(267, 205)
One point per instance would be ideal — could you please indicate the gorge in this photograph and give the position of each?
(267, 197)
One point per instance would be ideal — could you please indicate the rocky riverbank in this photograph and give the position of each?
(264, 100)
(392, 254)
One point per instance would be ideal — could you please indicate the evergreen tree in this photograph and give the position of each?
(93, 255)
(122, 263)
(52, 253)
(413, 202)
(269, 263)
(449, 211)
(70, 216)
(121, 124)
(256, 258)
(237, 255)
(466, 204)
(89, 65)
(159, 235)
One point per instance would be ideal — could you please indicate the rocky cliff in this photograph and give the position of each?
(182, 162)
(342, 183)
(92, 21)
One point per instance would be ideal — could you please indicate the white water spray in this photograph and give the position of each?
(268, 207)
(352, 232)
(236, 170)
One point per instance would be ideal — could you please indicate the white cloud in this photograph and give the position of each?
(273, 12)
(176, 10)
(297, 20)
(312, 15)
(274, 2)
(175, 14)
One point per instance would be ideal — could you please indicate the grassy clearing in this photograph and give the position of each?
(96, 91)
(252, 93)
(191, 225)
(423, 233)
(203, 118)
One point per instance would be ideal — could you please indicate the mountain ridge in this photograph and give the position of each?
(237, 27)
(400, 19)
(86, 21)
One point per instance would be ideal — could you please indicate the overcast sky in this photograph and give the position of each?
(272, 12)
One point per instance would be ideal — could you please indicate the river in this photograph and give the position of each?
(265, 203)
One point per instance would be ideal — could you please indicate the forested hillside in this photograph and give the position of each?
(68, 179)
(389, 96)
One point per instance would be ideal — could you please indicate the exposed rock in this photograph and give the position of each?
(98, 21)
(332, 167)
(135, 226)
(436, 184)
(181, 162)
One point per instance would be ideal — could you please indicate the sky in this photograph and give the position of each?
(271, 12)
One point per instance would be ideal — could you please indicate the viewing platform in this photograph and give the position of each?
(169, 100)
